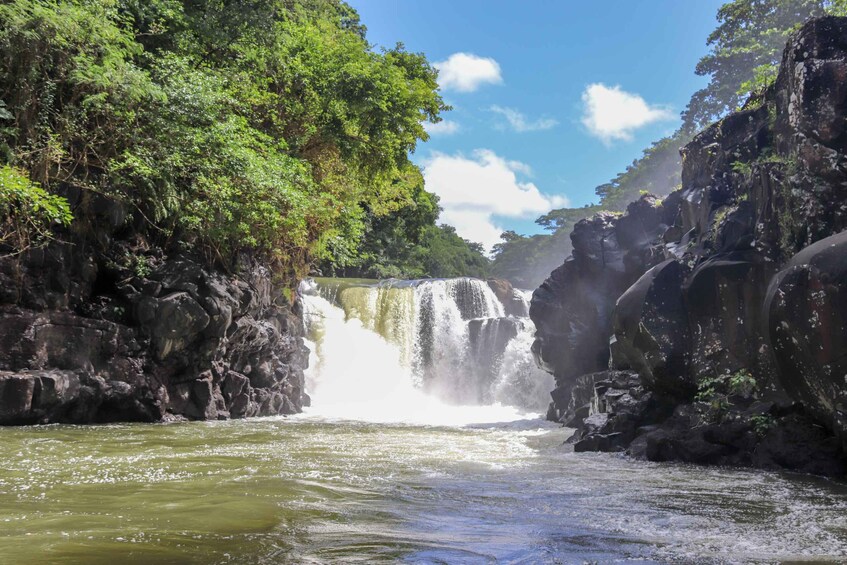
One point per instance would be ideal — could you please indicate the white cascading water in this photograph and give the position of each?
(431, 351)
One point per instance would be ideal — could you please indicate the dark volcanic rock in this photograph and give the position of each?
(619, 407)
(724, 296)
(760, 435)
(651, 332)
(572, 310)
(807, 323)
(738, 276)
(116, 346)
(513, 303)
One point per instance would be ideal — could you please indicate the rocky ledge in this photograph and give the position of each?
(711, 326)
(109, 328)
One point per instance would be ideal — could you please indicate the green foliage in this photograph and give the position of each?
(837, 7)
(444, 254)
(742, 168)
(762, 424)
(739, 383)
(27, 211)
(745, 50)
(269, 127)
(658, 172)
(716, 391)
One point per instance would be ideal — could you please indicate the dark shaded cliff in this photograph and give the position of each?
(712, 326)
(105, 327)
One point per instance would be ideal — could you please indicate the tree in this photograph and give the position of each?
(268, 126)
(745, 50)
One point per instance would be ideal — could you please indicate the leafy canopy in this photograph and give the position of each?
(270, 125)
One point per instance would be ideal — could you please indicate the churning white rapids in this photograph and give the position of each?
(424, 352)
(423, 445)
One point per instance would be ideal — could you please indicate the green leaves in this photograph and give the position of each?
(27, 211)
(265, 126)
(745, 50)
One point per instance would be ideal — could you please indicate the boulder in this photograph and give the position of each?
(572, 309)
(514, 304)
(173, 321)
(723, 298)
(806, 308)
(16, 393)
(651, 332)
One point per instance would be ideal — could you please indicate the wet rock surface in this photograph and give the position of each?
(621, 415)
(807, 322)
(513, 303)
(572, 310)
(123, 333)
(710, 327)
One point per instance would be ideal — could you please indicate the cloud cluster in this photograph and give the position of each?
(612, 114)
(520, 123)
(473, 191)
(466, 72)
(444, 127)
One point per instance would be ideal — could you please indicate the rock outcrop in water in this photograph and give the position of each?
(104, 328)
(720, 311)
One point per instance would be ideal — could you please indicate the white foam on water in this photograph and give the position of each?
(356, 373)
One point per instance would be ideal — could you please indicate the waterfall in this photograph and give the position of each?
(519, 380)
(423, 345)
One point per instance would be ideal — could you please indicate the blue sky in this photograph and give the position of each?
(551, 98)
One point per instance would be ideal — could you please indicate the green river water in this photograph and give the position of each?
(310, 489)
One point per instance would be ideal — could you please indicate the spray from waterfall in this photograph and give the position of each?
(431, 351)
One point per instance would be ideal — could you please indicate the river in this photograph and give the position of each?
(392, 465)
(313, 490)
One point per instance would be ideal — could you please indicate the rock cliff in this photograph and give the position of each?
(712, 326)
(103, 326)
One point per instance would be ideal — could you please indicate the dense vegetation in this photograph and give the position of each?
(745, 50)
(268, 126)
(274, 127)
(409, 244)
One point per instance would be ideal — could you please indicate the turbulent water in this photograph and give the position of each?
(392, 464)
(313, 490)
(443, 342)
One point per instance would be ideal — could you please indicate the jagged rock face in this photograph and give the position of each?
(572, 310)
(687, 298)
(83, 339)
(617, 413)
(811, 121)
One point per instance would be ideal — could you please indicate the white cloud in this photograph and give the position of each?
(612, 114)
(466, 72)
(473, 191)
(519, 167)
(520, 123)
(444, 127)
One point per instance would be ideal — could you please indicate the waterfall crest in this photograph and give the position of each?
(421, 346)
